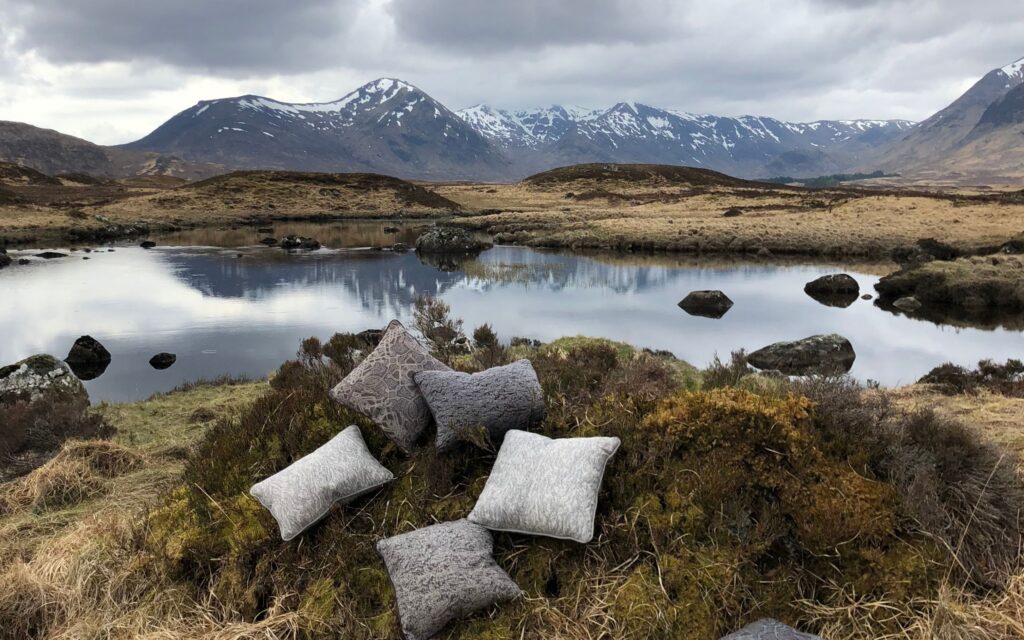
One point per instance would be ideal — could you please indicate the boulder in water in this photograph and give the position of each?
(450, 240)
(88, 358)
(162, 361)
(708, 303)
(817, 355)
(834, 290)
(299, 242)
(147, 244)
(51, 255)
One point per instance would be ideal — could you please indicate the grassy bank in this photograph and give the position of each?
(858, 514)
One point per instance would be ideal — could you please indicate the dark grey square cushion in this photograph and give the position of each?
(498, 399)
(441, 573)
(768, 629)
(382, 386)
(545, 487)
(338, 472)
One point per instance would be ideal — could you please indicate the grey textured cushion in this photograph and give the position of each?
(382, 386)
(545, 487)
(442, 573)
(768, 629)
(338, 472)
(497, 399)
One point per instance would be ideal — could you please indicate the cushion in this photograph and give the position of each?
(497, 400)
(338, 472)
(768, 629)
(545, 487)
(441, 573)
(382, 386)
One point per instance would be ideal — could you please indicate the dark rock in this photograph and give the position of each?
(1012, 246)
(452, 240)
(398, 247)
(924, 250)
(52, 394)
(732, 213)
(162, 361)
(834, 290)
(822, 354)
(23, 261)
(51, 255)
(86, 258)
(268, 241)
(908, 304)
(299, 242)
(390, 229)
(371, 336)
(866, 296)
(769, 629)
(5, 260)
(264, 229)
(88, 358)
(148, 244)
(708, 304)
(764, 252)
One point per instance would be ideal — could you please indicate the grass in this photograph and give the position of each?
(733, 496)
(976, 284)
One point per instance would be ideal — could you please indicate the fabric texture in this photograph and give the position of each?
(545, 487)
(338, 472)
(768, 629)
(382, 386)
(442, 573)
(497, 400)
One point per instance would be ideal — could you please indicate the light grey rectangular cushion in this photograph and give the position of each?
(768, 629)
(545, 487)
(382, 386)
(338, 472)
(441, 573)
(497, 400)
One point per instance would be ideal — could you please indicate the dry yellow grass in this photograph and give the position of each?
(671, 218)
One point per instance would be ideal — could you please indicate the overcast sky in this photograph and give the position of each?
(112, 70)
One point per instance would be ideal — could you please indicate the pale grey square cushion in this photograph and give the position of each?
(498, 399)
(441, 573)
(545, 487)
(338, 472)
(382, 386)
(768, 629)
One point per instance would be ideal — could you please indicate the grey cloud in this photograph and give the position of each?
(226, 36)
(489, 27)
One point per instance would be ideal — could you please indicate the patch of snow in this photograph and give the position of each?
(1014, 69)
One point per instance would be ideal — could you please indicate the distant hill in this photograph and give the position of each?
(977, 137)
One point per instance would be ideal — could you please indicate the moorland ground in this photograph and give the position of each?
(637, 207)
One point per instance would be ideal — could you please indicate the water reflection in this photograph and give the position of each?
(221, 313)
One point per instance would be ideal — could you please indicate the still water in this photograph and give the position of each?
(226, 305)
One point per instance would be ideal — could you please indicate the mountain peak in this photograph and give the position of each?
(1014, 69)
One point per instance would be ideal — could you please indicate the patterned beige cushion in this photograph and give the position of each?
(382, 386)
(336, 473)
(441, 573)
(545, 487)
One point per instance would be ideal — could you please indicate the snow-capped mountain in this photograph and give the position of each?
(633, 132)
(385, 126)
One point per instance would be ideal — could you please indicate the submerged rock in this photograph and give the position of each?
(268, 241)
(51, 255)
(148, 244)
(769, 629)
(834, 290)
(162, 361)
(5, 260)
(450, 240)
(907, 303)
(390, 229)
(708, 303)
(88, 358)
(817, 355)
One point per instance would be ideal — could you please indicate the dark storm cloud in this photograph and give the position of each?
(223, 35)
(487, 26)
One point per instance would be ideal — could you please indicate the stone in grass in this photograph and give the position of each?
(817, 355)
(732, 213)
(708, 304)
(768, 629)
(162, 361)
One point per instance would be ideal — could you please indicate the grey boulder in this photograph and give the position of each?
(769, 629)
(817, 355)
(907, 303)
(709, 304)
(833, 290)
